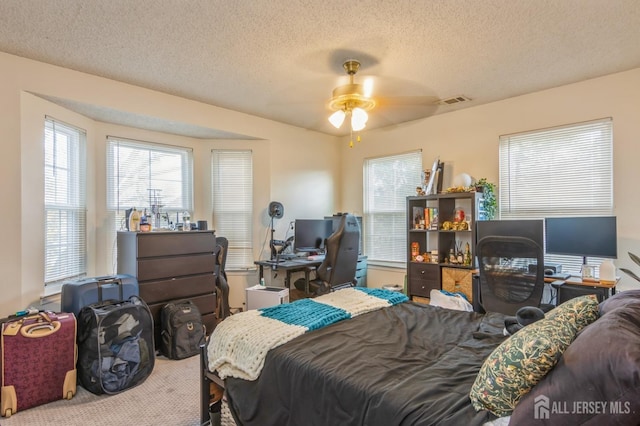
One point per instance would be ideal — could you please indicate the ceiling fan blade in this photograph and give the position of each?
(368, 87)
(630, 273)
(392, 101)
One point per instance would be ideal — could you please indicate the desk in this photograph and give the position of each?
(567, 289)
(289, 266)
(574, 286)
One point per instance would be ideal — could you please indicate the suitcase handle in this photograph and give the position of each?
(109, 281)
(40, 329)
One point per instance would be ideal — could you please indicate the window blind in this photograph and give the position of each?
(145, 175)
(137, 171)
(64, 202)
(232, 199)
(387, 183)
(562, 171)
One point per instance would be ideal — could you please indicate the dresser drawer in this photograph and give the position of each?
(177, 288)
(171, 267)
(423, 278)
(154, 244)
(209, 321)
(206, 303)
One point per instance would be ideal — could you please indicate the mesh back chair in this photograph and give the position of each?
(341, 258)
(506, 284)
(222, 285)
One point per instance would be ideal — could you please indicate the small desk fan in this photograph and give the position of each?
(276, 211)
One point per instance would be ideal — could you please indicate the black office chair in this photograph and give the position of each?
(338, 269)
(506, 284)
(220, 258)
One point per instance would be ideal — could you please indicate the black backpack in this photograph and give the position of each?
(182, 330)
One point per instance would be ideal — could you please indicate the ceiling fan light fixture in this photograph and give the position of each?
(350, 96)
(337, 118)
(351, 99)
(359, 119)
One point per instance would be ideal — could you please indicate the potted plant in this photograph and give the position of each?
(636, 260)
(489, 202)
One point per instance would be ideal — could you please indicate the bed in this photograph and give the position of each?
(406, 363)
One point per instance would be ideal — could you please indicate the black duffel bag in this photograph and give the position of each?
(115, 345)
(182, 330)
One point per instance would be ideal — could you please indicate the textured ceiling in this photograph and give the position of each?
(281, 59)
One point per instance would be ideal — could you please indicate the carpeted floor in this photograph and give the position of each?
(169, 397)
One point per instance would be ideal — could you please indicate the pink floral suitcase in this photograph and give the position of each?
(38, 361)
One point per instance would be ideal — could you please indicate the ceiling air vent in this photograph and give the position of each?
(453, 100)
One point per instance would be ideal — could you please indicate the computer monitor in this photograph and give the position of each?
(587, 236)
(528, 228)
(310, 234)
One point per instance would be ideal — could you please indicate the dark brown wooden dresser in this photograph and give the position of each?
(171, 266)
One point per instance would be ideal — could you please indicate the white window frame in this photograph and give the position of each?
(133, 170)
(65, 236)
(563, 171)
(388, 181)
(232, 204)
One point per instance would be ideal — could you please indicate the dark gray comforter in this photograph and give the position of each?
(408, 364)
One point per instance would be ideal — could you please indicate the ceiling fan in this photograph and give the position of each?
(352, 100)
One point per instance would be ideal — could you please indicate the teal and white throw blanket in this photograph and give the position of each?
(239, 344)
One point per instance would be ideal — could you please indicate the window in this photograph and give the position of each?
(232, 187)
(387, 183)
(563, 171)
(147, 176)
(64, 202)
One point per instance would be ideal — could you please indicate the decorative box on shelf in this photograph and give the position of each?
(458, 280)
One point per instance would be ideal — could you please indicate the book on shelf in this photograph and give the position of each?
(431, 217)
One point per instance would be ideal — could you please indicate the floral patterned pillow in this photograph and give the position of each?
(522, 360)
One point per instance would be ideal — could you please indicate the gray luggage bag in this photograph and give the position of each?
(78, 294)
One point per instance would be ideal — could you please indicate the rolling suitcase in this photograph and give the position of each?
(38, 360)
(78, 294)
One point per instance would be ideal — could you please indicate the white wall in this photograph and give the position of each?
(467, 141)
(311, 174)
(294, 166)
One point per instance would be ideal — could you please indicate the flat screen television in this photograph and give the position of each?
(310, 234)
(588, 236)
(528, 228)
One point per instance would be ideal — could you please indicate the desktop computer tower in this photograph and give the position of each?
(555, 267)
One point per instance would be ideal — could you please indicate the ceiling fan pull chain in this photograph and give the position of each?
(351, 138)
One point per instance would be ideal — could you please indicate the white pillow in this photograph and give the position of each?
(455, 302)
